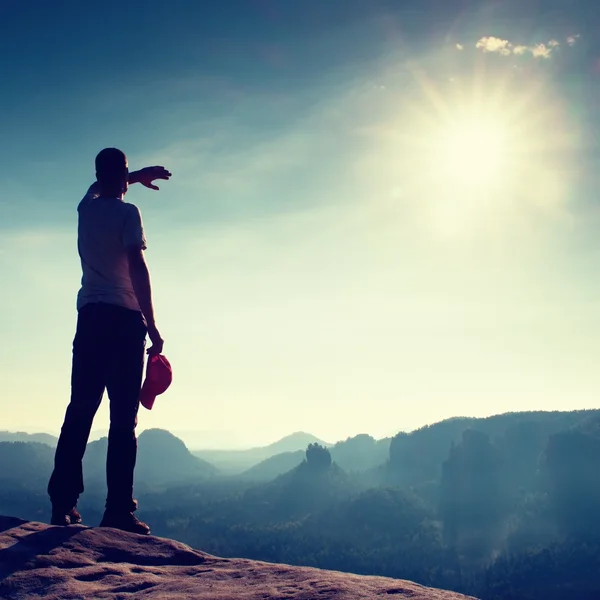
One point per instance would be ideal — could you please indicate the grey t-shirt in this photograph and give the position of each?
(107, 227)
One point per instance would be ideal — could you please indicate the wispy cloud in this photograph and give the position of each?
(542, 50)
(494, 44)
(491, 44)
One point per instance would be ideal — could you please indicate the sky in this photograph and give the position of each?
(382, 214)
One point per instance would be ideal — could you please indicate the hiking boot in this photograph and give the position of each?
(125, 521)
(64, 518)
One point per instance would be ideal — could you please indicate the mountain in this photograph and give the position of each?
(25, 462)
(21, 436)
(25, 469)
(310, 487)
(358, 453)
(361, 452)
(416, 458)
(97, 434)
(94, 462)
(39, 561)
(272, 467)
(295, 441)
(233, 462)
(162, 459)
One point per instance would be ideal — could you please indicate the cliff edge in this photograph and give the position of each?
(76, 563)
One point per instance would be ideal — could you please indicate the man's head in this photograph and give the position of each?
(112, 171)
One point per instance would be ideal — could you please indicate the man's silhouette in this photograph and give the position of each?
(115, 313)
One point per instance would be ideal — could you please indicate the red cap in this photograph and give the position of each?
(159, 376)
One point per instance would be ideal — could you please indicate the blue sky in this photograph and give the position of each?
(381, 214)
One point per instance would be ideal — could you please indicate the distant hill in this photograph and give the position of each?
(233, 462)
(162, 459)
(416, 458)
(94, 462)
(97, 434)
(302, 491)
(27, 463)
(298, 440)
(25, 468)
(359, 453)
(21, 436)
(272, 467)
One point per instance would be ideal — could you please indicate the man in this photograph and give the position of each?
(115, 313)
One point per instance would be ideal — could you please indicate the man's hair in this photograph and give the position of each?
(111, 165)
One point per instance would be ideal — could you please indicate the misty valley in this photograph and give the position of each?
(500, 507)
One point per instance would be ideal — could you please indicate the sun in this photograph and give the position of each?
(469, 165)
(471, 155)
(473, 150)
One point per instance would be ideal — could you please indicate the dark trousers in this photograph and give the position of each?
(108, 353)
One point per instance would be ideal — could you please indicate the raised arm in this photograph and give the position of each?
(145, 176)
(148, 175)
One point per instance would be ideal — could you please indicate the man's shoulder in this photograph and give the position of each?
(131, 208)
(110, 205)
(86, 201)
(92, 193)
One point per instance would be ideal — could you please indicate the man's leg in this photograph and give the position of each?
(87, 388)
(124, 380)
